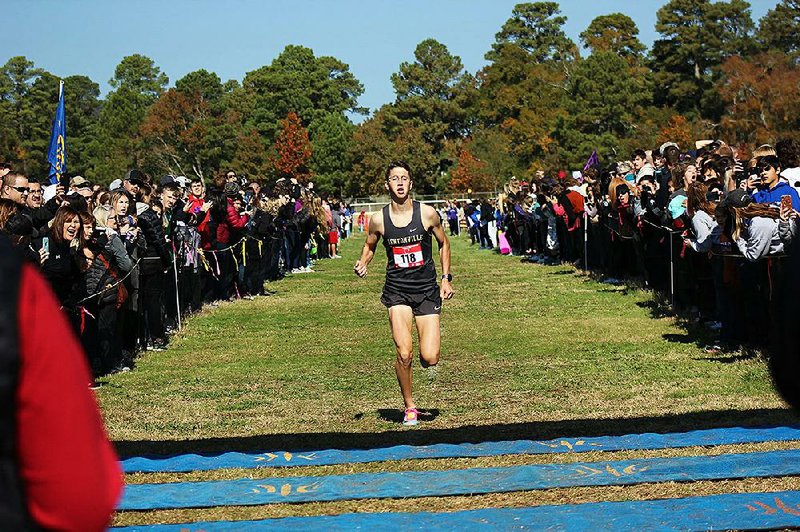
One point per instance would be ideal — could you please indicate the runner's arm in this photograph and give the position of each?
(432, 218)
(368, 251)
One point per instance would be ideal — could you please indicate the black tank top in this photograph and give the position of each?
(410, 268)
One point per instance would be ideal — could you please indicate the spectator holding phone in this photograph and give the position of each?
(62, 265)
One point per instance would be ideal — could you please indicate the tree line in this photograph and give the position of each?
(542, 102)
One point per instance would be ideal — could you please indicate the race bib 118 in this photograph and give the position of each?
(408, 256)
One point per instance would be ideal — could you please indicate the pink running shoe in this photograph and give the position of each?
(411, 417)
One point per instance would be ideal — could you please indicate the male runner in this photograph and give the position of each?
(410, 292)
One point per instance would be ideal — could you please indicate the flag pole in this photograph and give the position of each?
(63, 178)
(57, 149)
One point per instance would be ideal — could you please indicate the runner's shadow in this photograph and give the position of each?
(394, 415)
(509, 431)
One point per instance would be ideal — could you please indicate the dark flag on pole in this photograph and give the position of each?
(593, 161)
(57, 152)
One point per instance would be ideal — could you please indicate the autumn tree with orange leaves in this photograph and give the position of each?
(470, 173)
(761, 96)
(175, 133)
(292, 150)
(683, 132)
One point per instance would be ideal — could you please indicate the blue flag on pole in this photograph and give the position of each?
(57, 152)
(593, 161)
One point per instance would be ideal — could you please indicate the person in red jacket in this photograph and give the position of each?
(68, 471)
(227, 225)
(196, 199)
(230, 228)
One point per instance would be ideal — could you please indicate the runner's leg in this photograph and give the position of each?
(430, 339)
(400, 317)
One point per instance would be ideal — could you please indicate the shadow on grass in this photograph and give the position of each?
(730, 358)
(679, 338)
(615, 289)
(564, 272)
(422, 435)
(657, 309)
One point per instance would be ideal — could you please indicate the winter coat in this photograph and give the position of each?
(263, 225)
(157, 255)
(706, 232)
(230, 230)
(32, 222)
(108, 267)
(62, 270)
(136, 248)
(764, 236)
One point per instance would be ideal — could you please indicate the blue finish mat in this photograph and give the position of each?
(457, 482)
(195, 462)
(742, 511)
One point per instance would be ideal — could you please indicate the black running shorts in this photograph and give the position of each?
(423, 304)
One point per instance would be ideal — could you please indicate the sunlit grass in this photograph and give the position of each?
(520, 343)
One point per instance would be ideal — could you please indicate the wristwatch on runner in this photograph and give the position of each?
(448, 277)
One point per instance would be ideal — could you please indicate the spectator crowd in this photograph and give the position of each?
(127, 262)
(712, 228)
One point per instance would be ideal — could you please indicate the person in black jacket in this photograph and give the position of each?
(62, 267)
(153, 267)
(35, 220)
(293, 238)
(172, 214)
(277, 208)
(487, 216)
(259, 247)
(290, 233)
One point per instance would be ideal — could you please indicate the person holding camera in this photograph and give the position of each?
(131, 235)
(108, 262)
(229, 219)
(61, 265)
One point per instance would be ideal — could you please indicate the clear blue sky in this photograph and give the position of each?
(234, 37)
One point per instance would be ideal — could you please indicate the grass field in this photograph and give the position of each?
(528, 352)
